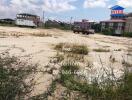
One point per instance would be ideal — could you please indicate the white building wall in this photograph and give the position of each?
(23, 22)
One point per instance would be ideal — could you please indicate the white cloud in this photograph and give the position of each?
(95, 3)
(125, 3)
(4, 9)
(11, 7)
(58, 5)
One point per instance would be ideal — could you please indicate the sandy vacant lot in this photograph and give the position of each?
(37, 45)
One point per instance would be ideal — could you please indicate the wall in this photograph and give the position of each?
(128, 27)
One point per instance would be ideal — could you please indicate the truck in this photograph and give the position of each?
(83, 27)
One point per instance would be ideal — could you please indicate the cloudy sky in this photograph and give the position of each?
(63, 9)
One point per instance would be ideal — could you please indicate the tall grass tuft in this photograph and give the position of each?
(72, 48)
(101, 50)
(59, 46)
(79, 49)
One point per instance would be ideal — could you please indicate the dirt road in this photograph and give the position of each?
(38, 44)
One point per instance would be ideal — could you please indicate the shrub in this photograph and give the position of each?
(96, 27)
(128, 34)
(79, 49)
(72, 48)
(101, 50)
(13, 74)
(108, 31)
(59, 46)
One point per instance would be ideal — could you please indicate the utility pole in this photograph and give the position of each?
(43, 25)
(71, 23)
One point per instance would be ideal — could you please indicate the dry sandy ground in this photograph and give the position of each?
(21, 42)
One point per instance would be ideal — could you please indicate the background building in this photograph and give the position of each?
(128, 27)
(117, 21)
(117, 12)
(25, 19)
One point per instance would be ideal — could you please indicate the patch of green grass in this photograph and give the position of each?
(70, 66)
(101, 50)
(108, 89)
(68, 80)
(13, 73)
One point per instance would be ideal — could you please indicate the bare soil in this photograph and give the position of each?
(37, 45)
